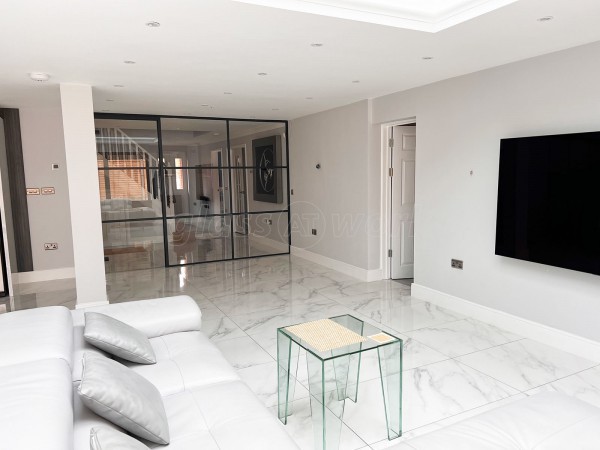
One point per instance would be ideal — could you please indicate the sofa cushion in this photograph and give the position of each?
(36, 334)
(225, 416)
(185, 361)
(118, 338)
(546, 421)
(125, 398)
(104, 438)
(155, 317)
(36, 412)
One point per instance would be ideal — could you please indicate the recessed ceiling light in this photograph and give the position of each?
(545, 19)
(216, 134)
(39, 76)
(262, 74)
(227, 93)
(275, 109)
(427, 58)
(129, 62)
(204, 104)
(109, 100)
(118, 85)
(356, 81)
(153, 24)
(316, 44)
(309, 98)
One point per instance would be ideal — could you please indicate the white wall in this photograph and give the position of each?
(335, 199)
(49, 217)
(459, 126)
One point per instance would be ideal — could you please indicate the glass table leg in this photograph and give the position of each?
(390, 368)
(287, 367)
(327, 408)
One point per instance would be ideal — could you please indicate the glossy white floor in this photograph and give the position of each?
(454, 366)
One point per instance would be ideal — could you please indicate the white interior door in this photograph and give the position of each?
(216, 182)
(403, 202)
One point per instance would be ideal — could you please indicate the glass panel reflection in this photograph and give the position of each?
(253, 135)
(266, 234)
(129, 194)
(127, 143)
(133, 245)
(199, 239)
(199, 192)
(194, 142)
(256, 190)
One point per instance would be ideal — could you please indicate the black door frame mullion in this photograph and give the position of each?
(161, 181)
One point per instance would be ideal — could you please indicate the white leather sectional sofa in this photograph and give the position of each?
(208, 407)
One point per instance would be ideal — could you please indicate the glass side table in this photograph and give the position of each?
(333, 353)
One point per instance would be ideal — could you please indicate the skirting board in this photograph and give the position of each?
(348, 269)
(554, 337)
(43, 275)
(91, 304)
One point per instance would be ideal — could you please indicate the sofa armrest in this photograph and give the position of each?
(155, 317)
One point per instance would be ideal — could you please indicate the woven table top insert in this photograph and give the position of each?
(325, 334)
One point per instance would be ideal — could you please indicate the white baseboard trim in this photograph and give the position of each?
(43, 275)
(91, 304)
(554, 337)
(348, 269)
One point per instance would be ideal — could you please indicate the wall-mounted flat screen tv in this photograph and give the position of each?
(549, 200)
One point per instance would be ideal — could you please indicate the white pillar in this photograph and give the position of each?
(84, 193)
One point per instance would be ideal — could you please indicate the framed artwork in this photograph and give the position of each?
(267, 155)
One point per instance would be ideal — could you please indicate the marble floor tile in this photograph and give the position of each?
(429, 394)
(405, 318)
(354, 287)
(243, 352)
(526, 364)
(584, 385)
(480, 409)
(462, 337)
(300, 427)
(377, 305)
(262, 379)
(221, 329)
(65, 298)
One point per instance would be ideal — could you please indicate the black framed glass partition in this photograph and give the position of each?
(182, 190)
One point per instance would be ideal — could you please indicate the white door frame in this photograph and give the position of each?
(386, 187)
(234, 190)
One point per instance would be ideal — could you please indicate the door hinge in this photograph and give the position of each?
(391, 171)
(389, 253)
(391, 142)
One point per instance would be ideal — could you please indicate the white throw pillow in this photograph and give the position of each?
(104, 438)
(124, 398)
(118, 338)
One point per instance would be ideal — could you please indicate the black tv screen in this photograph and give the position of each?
(549, 200)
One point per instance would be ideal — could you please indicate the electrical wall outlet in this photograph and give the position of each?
(269, 221)
(456, 264)
(50, 246)
(314, 231)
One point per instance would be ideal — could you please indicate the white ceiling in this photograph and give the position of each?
(207, 47)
